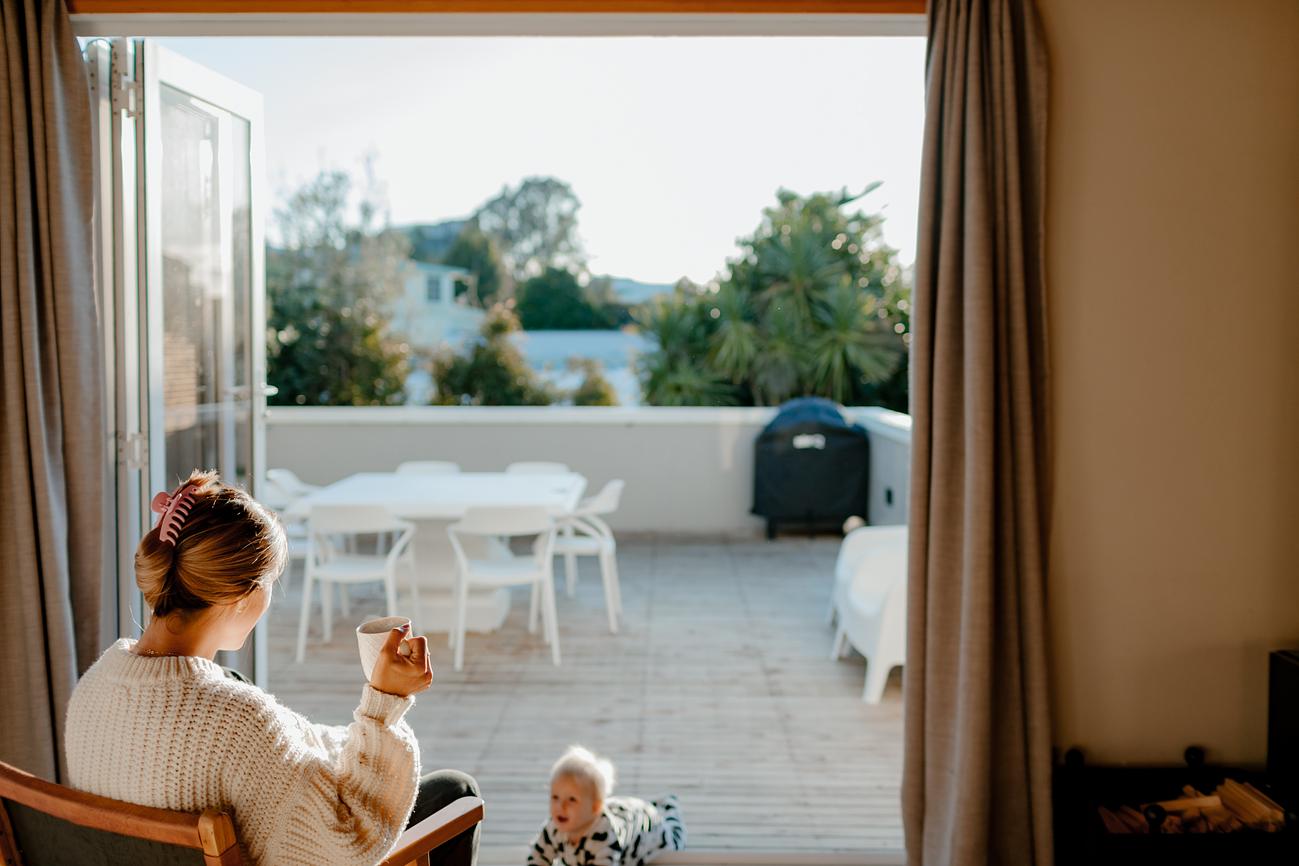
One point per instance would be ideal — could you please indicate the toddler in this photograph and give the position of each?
(587, 827)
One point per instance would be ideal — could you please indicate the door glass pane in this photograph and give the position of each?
(205, 194)
(245, 330)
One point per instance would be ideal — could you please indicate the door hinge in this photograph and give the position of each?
(124, 90)
(133, 449)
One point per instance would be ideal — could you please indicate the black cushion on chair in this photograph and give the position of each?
(44, 840)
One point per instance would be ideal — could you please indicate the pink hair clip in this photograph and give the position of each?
(174, 508)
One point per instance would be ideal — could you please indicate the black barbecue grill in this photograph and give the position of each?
(810, 467)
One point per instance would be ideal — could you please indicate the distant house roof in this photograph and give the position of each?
(635, 292)
(436, 270)
(431, 241)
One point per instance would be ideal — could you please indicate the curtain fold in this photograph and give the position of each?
(977, 770)
(52, 446)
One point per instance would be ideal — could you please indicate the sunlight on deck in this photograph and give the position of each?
(719, 688)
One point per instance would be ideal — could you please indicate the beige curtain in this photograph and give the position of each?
(51, 434)
(976, 786)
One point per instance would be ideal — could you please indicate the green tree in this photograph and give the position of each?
(893, 310)
(477, 253)
(490, 371)
(616, 313)
(677, 373)
(535, 227)
(328, 284)
(594, 390)
(554, 300)
(814, 305)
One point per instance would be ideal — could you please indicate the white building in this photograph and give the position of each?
(433, 309)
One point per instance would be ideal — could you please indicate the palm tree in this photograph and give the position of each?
(780, 368)
(812, 306)
(736, 341)
(676, 373)
(796, 266)
(850, 342)
(681, 383)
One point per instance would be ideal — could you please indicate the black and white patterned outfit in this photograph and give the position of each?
(629, 832)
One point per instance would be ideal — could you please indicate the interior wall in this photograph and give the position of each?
(1173, 256)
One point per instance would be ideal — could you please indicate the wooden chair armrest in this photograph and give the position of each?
(440, 827)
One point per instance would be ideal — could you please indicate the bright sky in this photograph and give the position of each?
(673, 145)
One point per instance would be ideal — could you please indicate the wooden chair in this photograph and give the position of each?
(44, 824)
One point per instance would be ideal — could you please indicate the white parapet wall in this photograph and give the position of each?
(687, 470)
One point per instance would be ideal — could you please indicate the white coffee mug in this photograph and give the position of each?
(372, 634)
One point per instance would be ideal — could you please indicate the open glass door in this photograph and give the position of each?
(203, 267)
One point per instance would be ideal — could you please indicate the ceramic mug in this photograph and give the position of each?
(372, 634)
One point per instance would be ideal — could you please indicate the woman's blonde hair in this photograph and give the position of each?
(581, 763)
(228, 546)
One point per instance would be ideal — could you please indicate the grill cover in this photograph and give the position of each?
(810, 465)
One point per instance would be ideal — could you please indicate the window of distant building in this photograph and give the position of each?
(433, 289)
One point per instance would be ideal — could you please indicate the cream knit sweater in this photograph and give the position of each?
(176, 733)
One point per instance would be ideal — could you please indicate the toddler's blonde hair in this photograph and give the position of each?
(581, 763)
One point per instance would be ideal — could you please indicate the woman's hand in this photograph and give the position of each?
(401, 674)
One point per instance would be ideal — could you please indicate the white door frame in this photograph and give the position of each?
(161, 67)
(126, 78)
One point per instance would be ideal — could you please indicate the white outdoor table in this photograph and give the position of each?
(432, 502)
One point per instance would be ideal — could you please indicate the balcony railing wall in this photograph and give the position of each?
(687, 469)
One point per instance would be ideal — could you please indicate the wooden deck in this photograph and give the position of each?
(719, 689)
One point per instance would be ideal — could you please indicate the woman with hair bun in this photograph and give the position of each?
(158, 722)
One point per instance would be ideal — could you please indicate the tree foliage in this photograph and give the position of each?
(616, 312)
(814, 305)
(594, 389)
(476, 252)
(677, 373)
(535, 227)
(554, 300)
(328, 283)
(490, 371)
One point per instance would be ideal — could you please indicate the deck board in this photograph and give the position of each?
(719, 688)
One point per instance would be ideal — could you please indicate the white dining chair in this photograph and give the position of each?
(869, 602)
(299, 542)
(333, 561)
(585, 533)
(288, 481)
(275, 496)
(428, 467)
(537, 467)
(533, 569)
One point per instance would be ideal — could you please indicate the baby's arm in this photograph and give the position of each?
(605, 851)
(542, 852)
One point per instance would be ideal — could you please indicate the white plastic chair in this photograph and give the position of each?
(332, 562)
(584, 533)
(856, 543)
(869, 601)
(299, 539)
(428, 467)
(274, 496)
(537, 467)
(533, 569)
(290, 483)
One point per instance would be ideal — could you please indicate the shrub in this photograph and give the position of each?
(490, 371)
